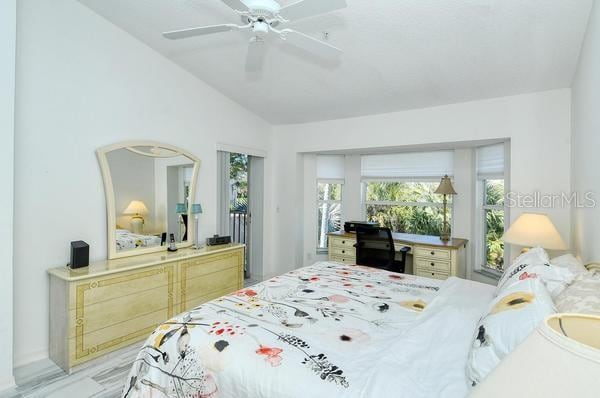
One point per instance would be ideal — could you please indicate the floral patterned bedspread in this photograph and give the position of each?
(315, 331)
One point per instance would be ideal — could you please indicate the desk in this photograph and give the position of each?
(432, 257)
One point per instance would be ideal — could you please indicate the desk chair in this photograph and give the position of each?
(375, 248)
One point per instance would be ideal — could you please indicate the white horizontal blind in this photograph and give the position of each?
(490, 161)
(413, 165)
(330, 167)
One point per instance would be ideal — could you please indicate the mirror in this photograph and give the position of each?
(149, 191)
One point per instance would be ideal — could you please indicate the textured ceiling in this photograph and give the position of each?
(398, 54)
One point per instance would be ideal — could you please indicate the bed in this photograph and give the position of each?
(128, 240)
(329, 330)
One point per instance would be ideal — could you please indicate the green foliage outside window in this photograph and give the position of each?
(409, 207)
(238, 180)
(494, 223)
(329, 196)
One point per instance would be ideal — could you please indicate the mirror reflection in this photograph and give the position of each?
(151, 196)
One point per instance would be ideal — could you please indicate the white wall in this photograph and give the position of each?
(83, 84)
(537, 124)
(586, 141)
(7, 119)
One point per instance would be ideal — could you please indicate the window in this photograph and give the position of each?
(329, 213)
(490, 202)
(406, 206)
(493, 223)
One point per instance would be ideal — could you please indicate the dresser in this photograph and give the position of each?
(431, 257)
(114, 303)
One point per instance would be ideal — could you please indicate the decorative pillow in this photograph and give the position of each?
(536, 263)
(571, 262)
(511, 317)
(582, 296)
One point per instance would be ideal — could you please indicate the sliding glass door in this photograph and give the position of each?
(240, 204)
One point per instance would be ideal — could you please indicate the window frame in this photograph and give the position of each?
(320, 202)
(482, 206)
(365, 203)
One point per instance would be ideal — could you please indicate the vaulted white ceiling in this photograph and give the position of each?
(398, 54)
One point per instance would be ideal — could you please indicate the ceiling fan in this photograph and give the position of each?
(262, 18)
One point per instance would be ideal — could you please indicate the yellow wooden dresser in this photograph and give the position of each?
(432, 257)
(114, 303)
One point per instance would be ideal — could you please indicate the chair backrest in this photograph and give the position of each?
(375, 247)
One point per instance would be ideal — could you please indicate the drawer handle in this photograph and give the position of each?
(432, 274)
(433, 264)
(433, 253)
(343, 251)
(343, 242)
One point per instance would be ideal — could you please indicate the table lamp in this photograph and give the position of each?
(533, 229)
(196, 209)
(561, 358)
(445, 189)
(136, 209)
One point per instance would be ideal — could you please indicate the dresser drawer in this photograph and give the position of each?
(345, 260)
(341, 251)
(122, 284)
(340, 241)
(216, 282)
(92, 317)
(431, 274)
(432, 265)
(209, 264)
(427, 252)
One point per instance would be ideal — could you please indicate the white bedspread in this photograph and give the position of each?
(329, 330)
(429, 360)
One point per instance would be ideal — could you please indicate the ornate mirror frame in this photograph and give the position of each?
(158, 150)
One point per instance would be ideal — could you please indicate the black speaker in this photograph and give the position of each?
(80, 254)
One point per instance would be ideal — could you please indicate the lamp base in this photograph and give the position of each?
(137, 225)
(445, 234)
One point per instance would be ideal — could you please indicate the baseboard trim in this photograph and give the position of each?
(7, 384)
(30, 358)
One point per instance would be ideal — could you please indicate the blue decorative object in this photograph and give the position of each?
(181, 208)
(196, 208)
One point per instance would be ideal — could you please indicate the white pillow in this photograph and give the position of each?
(571, 262)
(535, 263)
(510, 318)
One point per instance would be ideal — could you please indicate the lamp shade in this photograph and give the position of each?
(532, 229)
(559, 359)
(136, 207)
(181, 208)
(445, 187)
(196, 208)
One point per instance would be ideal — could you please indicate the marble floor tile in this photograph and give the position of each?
(102, 378)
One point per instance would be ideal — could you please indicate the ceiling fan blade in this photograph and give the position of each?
(255, 58)
(309, 8)
(204, 30)
(236, 5)
(310, 44)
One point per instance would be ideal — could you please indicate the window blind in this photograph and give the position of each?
(330, 167)
(490, 161)
(411, 165)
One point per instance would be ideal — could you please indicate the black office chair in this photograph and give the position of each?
(375, 248)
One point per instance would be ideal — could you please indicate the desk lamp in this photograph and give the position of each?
(445, 189)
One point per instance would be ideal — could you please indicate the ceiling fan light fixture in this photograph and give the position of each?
(260, 29)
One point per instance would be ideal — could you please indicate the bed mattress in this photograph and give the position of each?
(325, 330)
